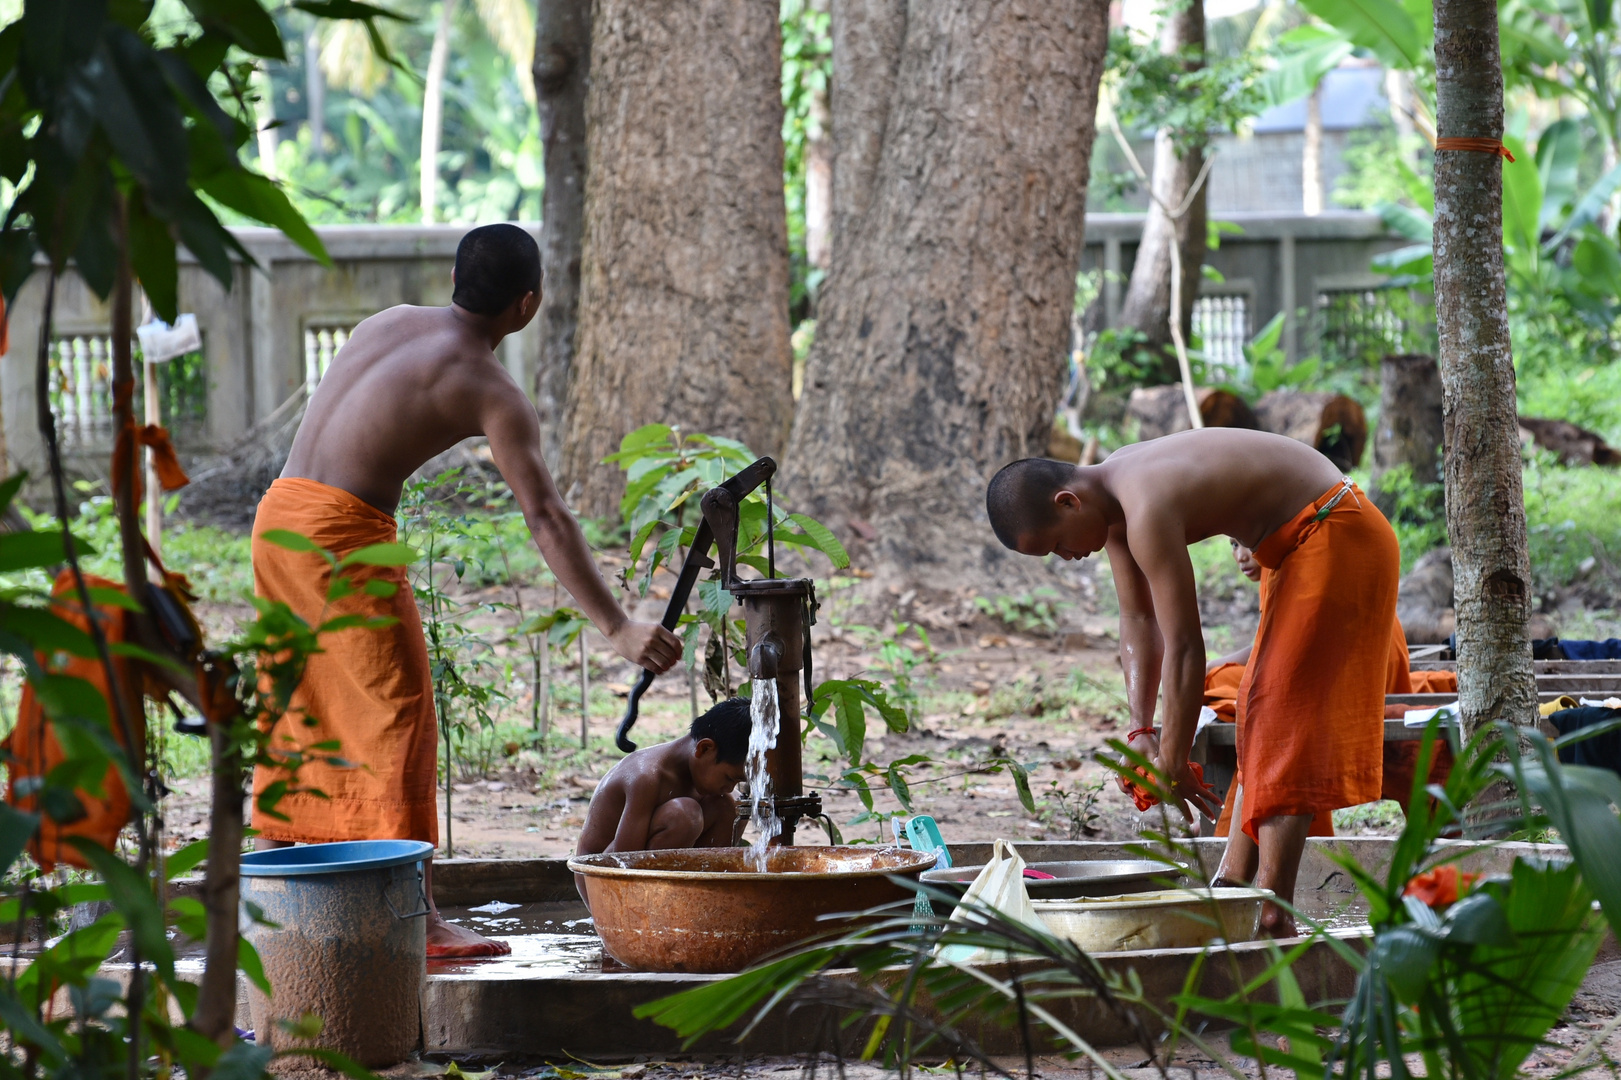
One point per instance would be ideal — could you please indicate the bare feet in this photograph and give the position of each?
(446, 939)
(1276, 922)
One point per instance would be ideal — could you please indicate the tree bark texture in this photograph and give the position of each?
(683, 314)
(1147, 305)
(1485, 503)
(943, 328)
(1162, 410)
(561, 71)
(1332, 423)
(867, 40)
(1411, 427)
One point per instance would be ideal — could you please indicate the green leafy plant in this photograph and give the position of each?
(1074, 809)
(461, 659)
(121, 127)
(1029, 613)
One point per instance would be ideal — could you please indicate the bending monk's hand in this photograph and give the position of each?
(1188, 786)
(647, 645)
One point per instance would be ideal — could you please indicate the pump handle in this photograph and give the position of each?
(736, 489)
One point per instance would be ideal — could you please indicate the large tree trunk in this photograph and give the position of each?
(684, 285)
(1485, 504)
(433, 111)
(561, 70)
(943, 328)
(1411, 427)
(1147, 306)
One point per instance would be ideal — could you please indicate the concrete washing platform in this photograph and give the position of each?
(556, 994)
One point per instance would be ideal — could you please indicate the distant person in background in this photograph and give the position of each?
(674, 795)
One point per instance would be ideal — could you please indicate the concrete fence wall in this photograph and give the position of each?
(274, 330)
(1275, 262)
(261, 338)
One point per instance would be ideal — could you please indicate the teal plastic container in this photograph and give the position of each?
(343, 937)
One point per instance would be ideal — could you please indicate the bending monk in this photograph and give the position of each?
(410, 383)
(674, 795)
(1312, 699)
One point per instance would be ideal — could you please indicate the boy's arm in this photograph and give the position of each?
(641, 799)
(1141, 648)
(1160, 554)
(719, 832)
(509, 422)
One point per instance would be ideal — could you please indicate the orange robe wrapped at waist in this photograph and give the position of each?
(1311, 704)
(1221, 694)
(371, 691)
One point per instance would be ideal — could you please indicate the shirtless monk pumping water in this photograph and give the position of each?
(410, 383)
(1310, 710)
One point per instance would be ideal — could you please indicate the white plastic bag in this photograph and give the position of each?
(1000, 885)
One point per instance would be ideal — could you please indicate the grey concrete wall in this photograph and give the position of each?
(254, 333)
(1278, 262)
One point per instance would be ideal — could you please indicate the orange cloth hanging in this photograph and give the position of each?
(1311, 704)
(1221, 690)
(164, 460)
(32, 749)
(369, 690)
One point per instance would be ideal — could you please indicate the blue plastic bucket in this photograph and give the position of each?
(348, 944)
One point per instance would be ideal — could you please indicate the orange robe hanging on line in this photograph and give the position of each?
(369, 690)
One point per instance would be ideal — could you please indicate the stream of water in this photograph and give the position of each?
(762, 737)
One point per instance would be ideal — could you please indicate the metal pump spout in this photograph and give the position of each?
(765, 658)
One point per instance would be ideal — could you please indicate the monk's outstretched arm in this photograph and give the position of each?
(1141, 647)
(510, 424)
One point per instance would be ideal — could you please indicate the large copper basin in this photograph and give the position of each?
(705, 910)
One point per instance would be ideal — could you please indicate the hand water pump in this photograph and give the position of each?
(777, 613)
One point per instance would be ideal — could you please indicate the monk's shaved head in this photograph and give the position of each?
(1019, 499)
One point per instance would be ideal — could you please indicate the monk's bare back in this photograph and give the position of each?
(410, 383)
(1215, 482)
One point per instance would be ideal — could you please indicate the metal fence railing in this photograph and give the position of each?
(81, 392)
(1358, 327)
(321, 343)
(1222, 324)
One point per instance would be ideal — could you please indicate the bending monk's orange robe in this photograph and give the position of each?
(1221, 686)
(1311, 704)
(369, 690)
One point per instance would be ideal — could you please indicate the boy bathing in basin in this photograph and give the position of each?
(674, 795)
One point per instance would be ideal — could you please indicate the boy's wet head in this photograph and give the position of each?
(720, 746)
